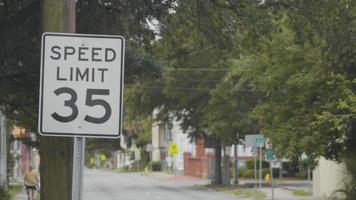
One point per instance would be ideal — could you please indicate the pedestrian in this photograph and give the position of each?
(30, 181)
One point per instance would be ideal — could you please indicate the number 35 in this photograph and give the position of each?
(89, 101)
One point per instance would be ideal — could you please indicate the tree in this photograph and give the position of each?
(19, 65)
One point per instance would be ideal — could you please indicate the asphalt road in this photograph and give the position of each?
(104, 185)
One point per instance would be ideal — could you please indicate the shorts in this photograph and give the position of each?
(30, 187)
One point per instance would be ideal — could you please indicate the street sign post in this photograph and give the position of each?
(173, 149)
(78, 168)
(81, 91)
(149, 149)
(3, 152)
(269, 154)
(81, 85)
(270, 158)
(255, 140)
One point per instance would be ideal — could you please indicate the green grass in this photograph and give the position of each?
(14, 189)
(301, 193)
(238, 191)
(37, 196)
(169, 171)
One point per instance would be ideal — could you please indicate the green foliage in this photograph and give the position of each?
(240, 192)
(155, 166)
(250, 164)
(250, 173)
(301, 193)
(14, 189)
(4, 195)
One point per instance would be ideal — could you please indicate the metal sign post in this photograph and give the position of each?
(272, 184)
(3, 152)
(260, 175)
(255, 167)
(78, 168)
(309, 180)
(256, 141)
(270, 158)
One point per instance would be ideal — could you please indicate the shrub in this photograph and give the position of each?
(250, 164)
(302, 174)
(249, 173)
(155, 166)
(3, 194)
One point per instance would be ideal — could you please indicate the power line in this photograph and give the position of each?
(184, 88)
(196, 69)
(194, 80)
(172, 88)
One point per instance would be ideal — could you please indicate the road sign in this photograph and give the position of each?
(173, 149)
(268, 144)
(255, 140)
(260, 141)
(81, 85)
(149, 147)
(137, 155)
(269, 154)
(103, 157)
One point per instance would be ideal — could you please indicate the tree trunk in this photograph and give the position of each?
(352, 138)
(56, 152)
(226, 167)
(236, 164)
(218, 175)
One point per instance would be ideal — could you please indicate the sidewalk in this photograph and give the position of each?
(285, 194)
(22, 196)
(284, 190)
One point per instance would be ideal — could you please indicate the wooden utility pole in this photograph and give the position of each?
(56, 152)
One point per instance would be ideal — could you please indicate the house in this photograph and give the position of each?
(195, 157)
(24, 155)
(123, 157)
(163, 135)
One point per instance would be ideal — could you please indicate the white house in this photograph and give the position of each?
(163, 135)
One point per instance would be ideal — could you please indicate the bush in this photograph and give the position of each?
(249, 173)
(3, 194)
(302, 174)
(124, 169)
(241, 171)
(155, 166)
(250, 164)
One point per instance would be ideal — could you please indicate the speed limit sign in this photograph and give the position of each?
(81, 85)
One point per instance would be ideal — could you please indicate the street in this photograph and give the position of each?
(104, 185)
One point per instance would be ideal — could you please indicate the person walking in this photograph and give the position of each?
(30, 181)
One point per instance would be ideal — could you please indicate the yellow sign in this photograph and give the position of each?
(92, 161)
(103, 157)
(267, 178)
(173, 149)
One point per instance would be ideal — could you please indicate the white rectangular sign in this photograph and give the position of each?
(254, 140)
(81, 85)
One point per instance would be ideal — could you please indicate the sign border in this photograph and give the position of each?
(40, 109)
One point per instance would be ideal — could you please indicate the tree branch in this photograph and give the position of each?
(17, 19)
